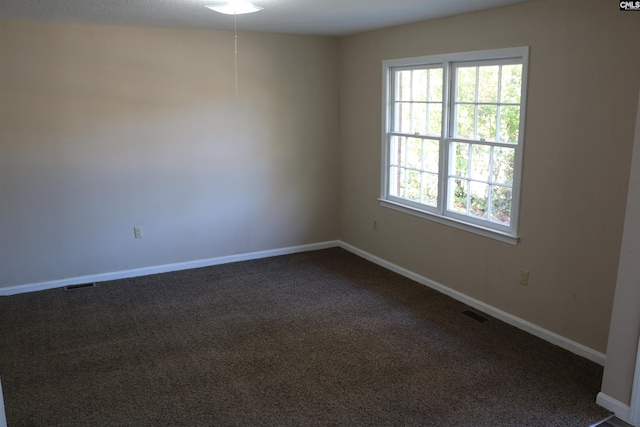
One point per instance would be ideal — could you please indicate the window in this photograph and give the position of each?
(453, 136)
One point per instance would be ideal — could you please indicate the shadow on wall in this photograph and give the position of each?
(111, 128)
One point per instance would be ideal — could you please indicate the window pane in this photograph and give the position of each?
(413, 185)
(419, 85)
(396, 150)
(396, 181)
(458, 198)
(431, 155)
(459, 159)
(488, 84)
(480, 161)
(430, 189)
(466, 84)
(487, 121)
(435, 119)
(414, 153)
(435, 85)
(509, 124)
(403, 85)
(501, 205)
(465, 121)
(419, 119)
(479, 199)
(403, 117)
(503, 164)
(511, 85)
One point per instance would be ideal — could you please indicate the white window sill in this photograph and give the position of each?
(470, 228)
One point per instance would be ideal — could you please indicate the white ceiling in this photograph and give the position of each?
(311, 17)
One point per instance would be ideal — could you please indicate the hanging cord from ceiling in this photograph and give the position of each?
(235, 53)
(235, 8)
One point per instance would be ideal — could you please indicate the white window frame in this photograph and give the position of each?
(440, 214)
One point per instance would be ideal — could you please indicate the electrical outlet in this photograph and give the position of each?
(524, 277)
(137, 232)
(375, 224)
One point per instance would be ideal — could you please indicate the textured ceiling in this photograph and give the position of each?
(314, 17)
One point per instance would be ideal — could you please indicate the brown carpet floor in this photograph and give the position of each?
(312, 339)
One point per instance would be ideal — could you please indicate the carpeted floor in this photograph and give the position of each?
(311, 339)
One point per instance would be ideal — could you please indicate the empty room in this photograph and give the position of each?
(295, 212)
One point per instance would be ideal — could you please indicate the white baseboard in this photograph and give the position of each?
(512, 320)
(620, 409)
(125, 274)
(3, 415)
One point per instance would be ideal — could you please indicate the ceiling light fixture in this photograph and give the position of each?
(235, 7)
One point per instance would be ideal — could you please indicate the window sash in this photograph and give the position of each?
(403, 96)
(476, 103)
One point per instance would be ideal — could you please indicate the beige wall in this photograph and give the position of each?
(583, 83)
(105, 128)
